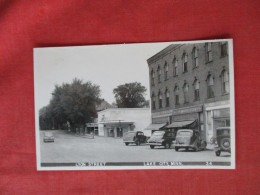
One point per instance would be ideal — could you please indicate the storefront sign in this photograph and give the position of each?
(187, 110)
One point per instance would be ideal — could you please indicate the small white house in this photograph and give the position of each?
(114, 122)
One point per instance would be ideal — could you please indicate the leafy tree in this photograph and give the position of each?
(130, 95)
(75, 102)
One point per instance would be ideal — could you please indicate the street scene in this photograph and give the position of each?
(150, 103)
(71, 148)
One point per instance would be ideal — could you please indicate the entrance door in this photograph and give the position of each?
(119, 132)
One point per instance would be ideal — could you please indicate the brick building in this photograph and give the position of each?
(189, 83)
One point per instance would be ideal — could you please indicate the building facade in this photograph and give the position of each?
(188, 83)
(114, 122)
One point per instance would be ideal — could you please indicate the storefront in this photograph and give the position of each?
(91, 128)
(116, 128)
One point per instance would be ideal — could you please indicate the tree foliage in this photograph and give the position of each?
(130, 95)
(74, 102)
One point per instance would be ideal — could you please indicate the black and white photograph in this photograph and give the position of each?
(165, 105)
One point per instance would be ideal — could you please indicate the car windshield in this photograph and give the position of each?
(185, 133)
(158, 134)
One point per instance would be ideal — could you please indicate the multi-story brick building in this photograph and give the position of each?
(190, 83)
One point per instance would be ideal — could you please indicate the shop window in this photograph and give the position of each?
(210, 86)
(195, 58)
(176, 94)
(208, 52)
(175, 67)
(160, 99)
(185, 92)
(196, 90)
(185, 62)
(152, 77)
(225, 82)
(159, 73)
(166, 68)
(223, 49)
(167, 98)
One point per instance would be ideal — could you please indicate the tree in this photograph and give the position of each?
(130, 95)
(75, 102)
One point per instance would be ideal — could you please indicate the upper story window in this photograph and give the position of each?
(196, 90)
(210, 85)
(166, 69)
(185, 92)
(175, 66)
(223, 49)
(176, 94)
(152, 77)
(185, 62)
(195, 58)
(225, 82)
(159, 73)
(167, 98)
(208, 52)
(153, 101)
(160, 99)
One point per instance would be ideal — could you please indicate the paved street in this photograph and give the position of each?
(72, 148)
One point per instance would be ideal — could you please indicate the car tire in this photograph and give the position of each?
(126, 144)
(167, 145)
(187, 149)
(218, 153)
(137, 142)
(223, 143)
(152, 147)
(196, 149)
(176, 149)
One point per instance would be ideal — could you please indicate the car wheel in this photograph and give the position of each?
(218, 153)
(167, 145)
(187, 149)
(176, 149)
(126, 144)
(152, 147)
(137, 142)
(225, 143)
(196, 149)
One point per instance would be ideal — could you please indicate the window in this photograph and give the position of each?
(208, 52)
(196, 90)
(166, 68)
(175, 67)
(176, 94)
(185, 92)
(223, 49)
(185, 62)
(195, 57)
(160, 99)
(167, 98)
(159, 72)
(210, 84)
(152, 77)
(153, 102)
(225, 82)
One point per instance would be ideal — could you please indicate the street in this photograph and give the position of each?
(71, 148)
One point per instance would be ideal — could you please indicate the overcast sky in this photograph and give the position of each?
(107, 66)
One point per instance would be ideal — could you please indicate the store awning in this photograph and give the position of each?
(155, 126)
(179, 124)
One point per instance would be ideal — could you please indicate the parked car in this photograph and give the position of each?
(135, 137)
(48, 137)
(189, 139)
(223, 140)
(161, 138)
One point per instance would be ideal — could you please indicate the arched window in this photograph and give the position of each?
(167, 97)
(160, 99)
(210, 85)
(152, 77)
(176, 94)
(175, 66)
(185, 92)
(159, 73)
(225, 82)
(208, 52)
(153, 102)
(166, 68)
(195, 58)
(196, 85)
(185, 62)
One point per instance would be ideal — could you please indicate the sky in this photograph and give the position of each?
(107, 66)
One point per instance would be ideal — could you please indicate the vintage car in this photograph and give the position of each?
(135, 137)
(189, 139)
(48, 137)
(161, 138)
(223, 140)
